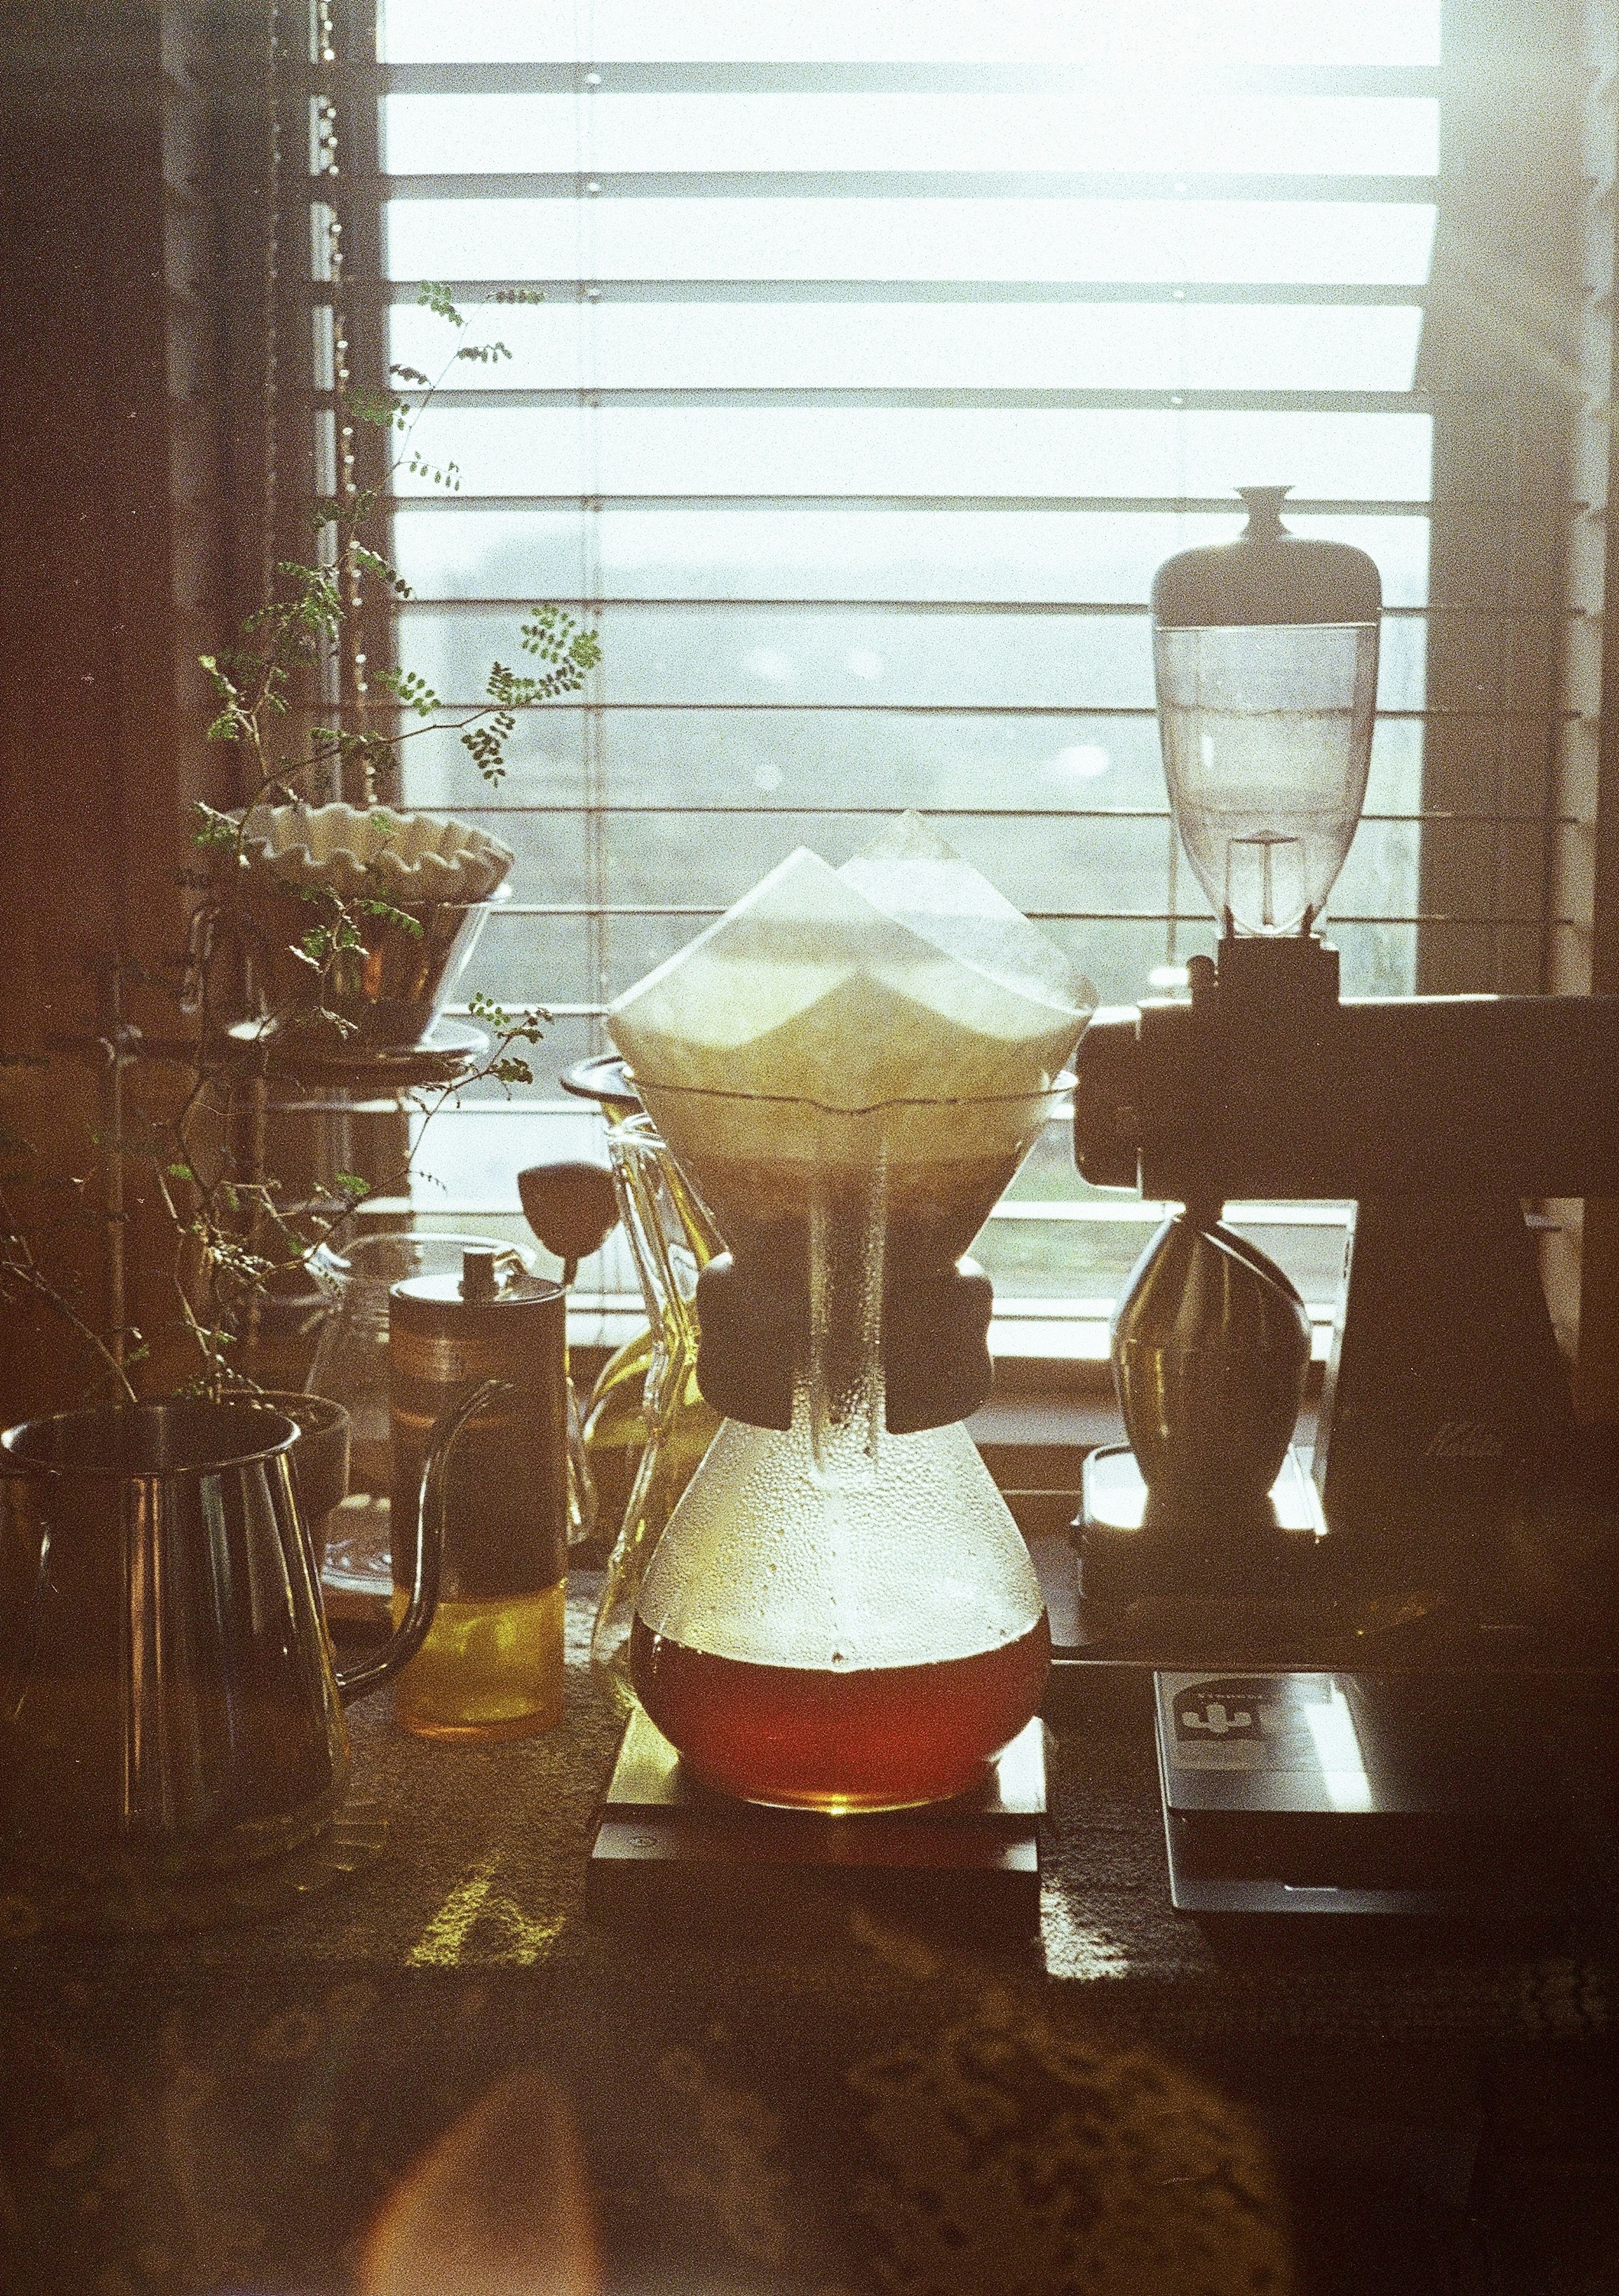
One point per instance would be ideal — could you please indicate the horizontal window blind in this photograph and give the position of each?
(886, 351)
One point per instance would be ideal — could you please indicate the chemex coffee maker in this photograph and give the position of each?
(841, 1630)
(1445, 1420)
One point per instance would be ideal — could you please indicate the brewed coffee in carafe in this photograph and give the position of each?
(842, 1614)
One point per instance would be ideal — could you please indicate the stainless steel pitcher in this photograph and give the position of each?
(168, 1699)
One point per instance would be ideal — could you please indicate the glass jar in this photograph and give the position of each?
(351, 1366)
(492, 1665)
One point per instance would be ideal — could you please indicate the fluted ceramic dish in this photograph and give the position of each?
(414, 859)
(442, 874)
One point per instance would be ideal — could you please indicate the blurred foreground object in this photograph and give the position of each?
(500, 2207)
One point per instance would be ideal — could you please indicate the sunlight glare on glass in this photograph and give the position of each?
(1135, 122)
(1191, 35)
(1183, 241)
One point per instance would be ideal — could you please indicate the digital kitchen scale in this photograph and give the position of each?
(669, 1850)
(1329, 1792)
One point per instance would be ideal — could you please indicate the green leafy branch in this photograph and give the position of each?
(235, 1238)
(294, 631)
(236, 1230)
(23, 1275)
(525, 1028)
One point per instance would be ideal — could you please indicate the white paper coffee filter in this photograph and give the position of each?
(905, 975)
(411, 858)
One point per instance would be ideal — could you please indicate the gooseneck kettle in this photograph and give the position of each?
(168, 1699)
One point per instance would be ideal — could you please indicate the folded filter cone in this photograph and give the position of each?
(898, 1008)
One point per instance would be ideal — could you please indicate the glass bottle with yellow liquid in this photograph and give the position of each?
(492, 1665)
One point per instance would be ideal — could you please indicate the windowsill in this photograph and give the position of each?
(1039, 1350)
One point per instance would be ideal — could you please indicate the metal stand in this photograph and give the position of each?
(448, 1052)
(1131, 1546)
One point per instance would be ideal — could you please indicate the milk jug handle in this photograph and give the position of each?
(428, 1564)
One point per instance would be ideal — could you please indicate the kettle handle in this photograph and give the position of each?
(427, 1566)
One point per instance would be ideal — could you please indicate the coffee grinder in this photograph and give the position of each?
(1446, 1407)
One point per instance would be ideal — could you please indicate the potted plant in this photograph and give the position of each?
(323, 931)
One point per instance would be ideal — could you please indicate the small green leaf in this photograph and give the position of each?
(413, 691)
(401, 919)
(212, 828)
(437, 298)
(380, 409)
(372, 561)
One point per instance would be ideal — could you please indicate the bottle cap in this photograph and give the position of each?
(1268, 575)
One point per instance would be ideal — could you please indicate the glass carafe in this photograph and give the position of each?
(840, 1616)
(673, 1239)
(615, 1428)
(1265, 660)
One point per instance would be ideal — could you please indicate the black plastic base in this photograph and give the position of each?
(1328, 1792)
(1133, 1548)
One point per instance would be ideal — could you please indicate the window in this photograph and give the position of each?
(886, 351)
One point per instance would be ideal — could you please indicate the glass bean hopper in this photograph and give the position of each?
(1265, 659)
